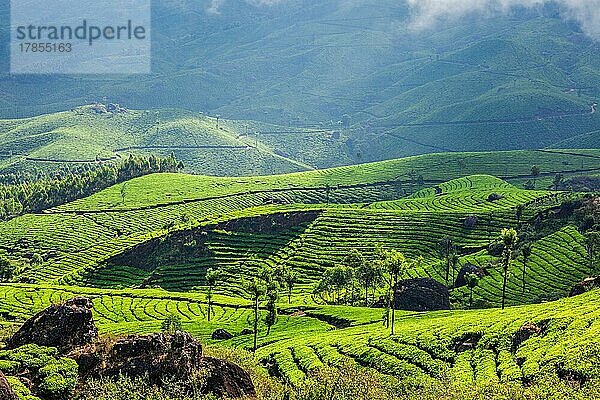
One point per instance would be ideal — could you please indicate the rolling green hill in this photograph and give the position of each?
(90, 134)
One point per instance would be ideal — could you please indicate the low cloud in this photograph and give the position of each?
(428, 13)
(215, 5)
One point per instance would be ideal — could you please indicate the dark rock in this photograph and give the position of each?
(525, 332)
(421, 294)
(494, 197)
(246, 331)
(64, 326)
(6, 392)
(161, 357)
(495, 249)
(466, 342)
(382, 302)
(158, 355)
(468, 269)
(226, 379)
(585, 286)
(470, 222)
(221, 334)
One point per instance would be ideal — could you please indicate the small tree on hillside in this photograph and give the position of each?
(592, 247)
(36, 260)
(7, 270)
(369, 275)
(526, 252)
(272, 293)
(509, 239)
(341, 279)
(447, 249)
(557, 181)
(519, 212)
(123, 192)
(171, 324)
(255, 289)
(397, 266)
(472, 282)
(290, 278)
(354, 260)
(212, 279)
(535, 172)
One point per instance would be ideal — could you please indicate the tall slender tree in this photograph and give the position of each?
(356, 261)
(369, 274)
(255, 289)
(472, 282)
(446, 248)
(509, 239)
(592, 247)
(397, 266)
(272, 293)
(212, 279)
(290, 278)
(526, 253)
(535, 172)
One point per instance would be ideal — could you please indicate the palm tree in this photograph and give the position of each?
(509, 238)
(256, 290)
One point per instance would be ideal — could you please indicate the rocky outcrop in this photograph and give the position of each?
(494, 197)
(226, 379)
(158, 356)
(468, 269)
(525, 332)
(470, 222)
(421, 294)
(221, 334)
(466, 342)
(64, 326)
(585, 286)
(6, 392)
(162, 357)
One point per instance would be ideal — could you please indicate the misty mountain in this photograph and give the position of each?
(526, 77)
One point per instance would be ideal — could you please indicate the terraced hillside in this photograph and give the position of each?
(479, 347)
(141, 250)
(475, 347)
(169, 229)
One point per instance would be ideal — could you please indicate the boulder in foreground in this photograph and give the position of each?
(162, 357)
(64, 326)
